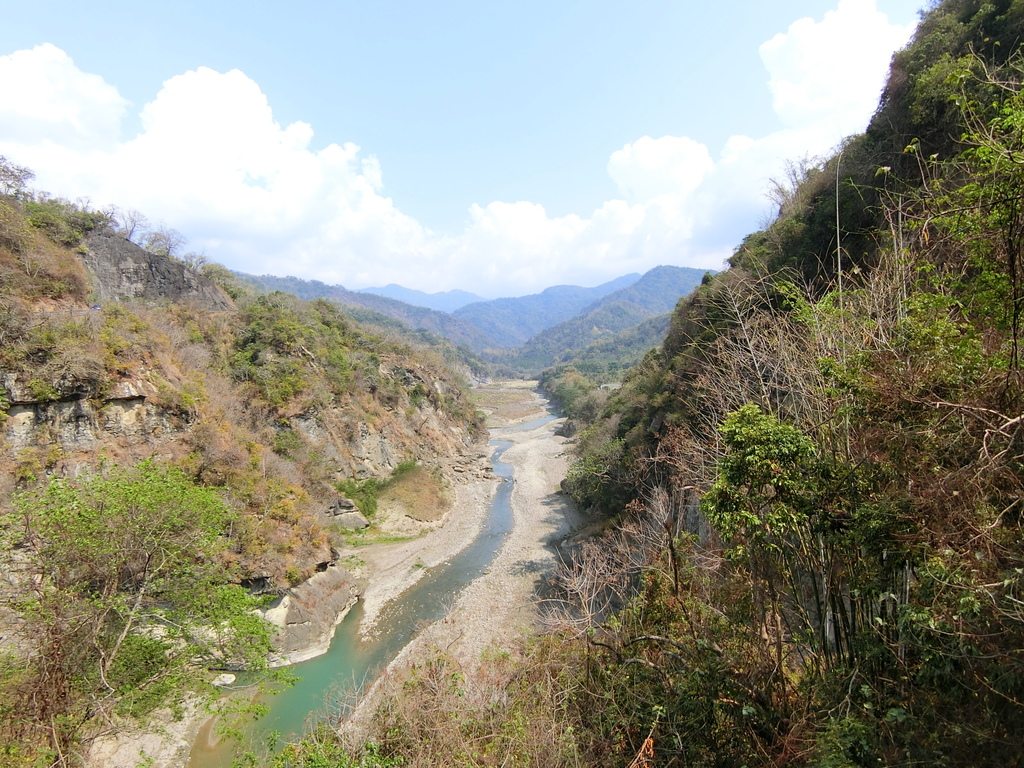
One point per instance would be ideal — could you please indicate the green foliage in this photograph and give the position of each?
(590, 479)
(763, 480)
(285, 348)
(323, 749)
(64, 222)
(130, 595)
(286, 441)
(365, 493)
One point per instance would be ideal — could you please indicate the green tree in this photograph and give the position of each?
(122, 589)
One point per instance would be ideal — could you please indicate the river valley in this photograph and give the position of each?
(464, 586)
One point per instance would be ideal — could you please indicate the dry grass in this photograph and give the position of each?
(511, 709)
(503, 402)
(419, 493)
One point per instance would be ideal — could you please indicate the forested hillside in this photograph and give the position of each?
(655, 293)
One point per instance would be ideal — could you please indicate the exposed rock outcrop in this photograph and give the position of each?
(85, 424)
(308, 614)
(122, 270)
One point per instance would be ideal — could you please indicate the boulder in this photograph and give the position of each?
(341, 505)
(308, 613)
(352, 520)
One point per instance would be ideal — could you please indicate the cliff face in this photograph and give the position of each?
(122, 270)
(133, 417)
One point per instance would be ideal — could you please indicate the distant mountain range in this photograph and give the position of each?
(528, 333)
(656, 293)
(510, 322)
(451, 327)
(446, 301)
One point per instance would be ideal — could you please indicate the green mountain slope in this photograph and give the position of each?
(605, 360)
(512, 321)
(655, 293)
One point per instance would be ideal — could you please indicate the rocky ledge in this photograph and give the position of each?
(306, 616)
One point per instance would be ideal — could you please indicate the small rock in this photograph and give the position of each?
(341, 505)
(224, 680)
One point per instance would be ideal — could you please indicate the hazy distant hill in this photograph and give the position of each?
(446, 301)
(451, 327)
(510, 322)
(655, 293)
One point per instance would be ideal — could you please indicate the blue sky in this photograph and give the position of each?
(496, 147)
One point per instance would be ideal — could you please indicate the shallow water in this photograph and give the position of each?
(353, 661)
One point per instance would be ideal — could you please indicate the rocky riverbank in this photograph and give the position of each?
(500, 606)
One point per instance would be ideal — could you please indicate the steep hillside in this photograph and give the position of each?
(512, 321)
(831, 435)
(163, 446)
(168, 360)
(655, 293)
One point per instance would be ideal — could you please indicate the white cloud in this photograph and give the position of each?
(45, 98)
(651, 168)
(825, 77)
(832, 70)
(211, 161)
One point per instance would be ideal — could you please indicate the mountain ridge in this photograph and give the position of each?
(513, 321)
(442, 301)
(442, 323)
(655, 293)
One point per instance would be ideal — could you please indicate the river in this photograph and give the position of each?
(355, 659)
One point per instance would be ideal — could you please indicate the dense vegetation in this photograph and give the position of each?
(843, 405)
(121, 589)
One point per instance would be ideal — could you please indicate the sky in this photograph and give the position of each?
(498, 147)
